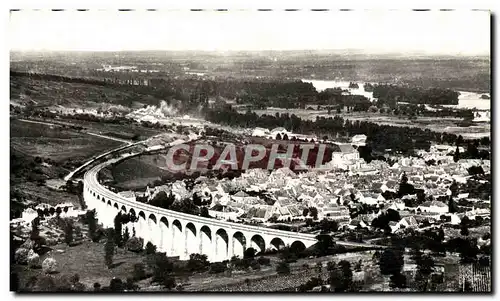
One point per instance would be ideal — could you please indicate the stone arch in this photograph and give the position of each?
(116, 207)
(98, 197)
(191, 241)
(109, 203)
(164, 229)
(124, 209)
(239, 242)
(277, 244)
(152, 233)
(177, 239)
(297, 247)
(141, 226)
(221, 245)
(258, 243)
(206, 241)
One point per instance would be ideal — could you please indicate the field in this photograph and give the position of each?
(448, 124)
(56, 143)
(122, 131)
(52, 94)
(86, 260)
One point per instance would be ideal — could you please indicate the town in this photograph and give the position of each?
(319, 171)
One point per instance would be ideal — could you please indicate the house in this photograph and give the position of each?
(346, 152)
(224, 212)
(179, 190)
(358, 140)
(390, 185)
(284, 209)
(370, 198)
(394, 226)
(332, 211)
(29, 215)
(408, 222)
(433, 207)
(240, 196)
(129, 195)
(397, 206)
(279, 133)
(261, 213)
(355, 223)
(260, 132)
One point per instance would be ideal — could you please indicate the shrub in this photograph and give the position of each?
(33, 259)
(28, 244)
(116, 285)
(135, 244)
(283, 268)
(255, 265)
(49, 265)
(75, 279)
(217, 267)
(21, 256)
(45, 283)
(197, 262)
(264, 261)
(150, 248)
(139, 272)
(97, 286)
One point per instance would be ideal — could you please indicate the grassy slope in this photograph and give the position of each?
(44, 93)
(56, 143)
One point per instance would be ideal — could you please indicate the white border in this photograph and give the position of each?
(212, 4)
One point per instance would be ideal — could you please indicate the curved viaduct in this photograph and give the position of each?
(180, 234)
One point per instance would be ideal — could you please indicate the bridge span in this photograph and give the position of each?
(180, 234)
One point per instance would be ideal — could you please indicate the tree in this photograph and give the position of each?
(358, 266)
(68, 231)
(139, 272)
(391, 262)
(325, 242)
(456, 156)
(204, 212)
(109, 247)
(283, 268)
(328, 226)
(340, 276)
(162, 270)
(425, 266)
(198, 262)
(118, 229)
(150, 248)
(126, 236)
(249, 253)
(116, 284)
(91, 221)
(452, 206)
(346, 272)
(441, 235)
(305, 212)
(313, 212)
(464, 226)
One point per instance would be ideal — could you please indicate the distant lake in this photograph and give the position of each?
(465, 99)
(321, 85)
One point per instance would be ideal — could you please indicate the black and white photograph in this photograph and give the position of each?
(221, 150)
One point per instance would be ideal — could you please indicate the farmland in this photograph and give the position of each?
(443, 124)
(54, 143)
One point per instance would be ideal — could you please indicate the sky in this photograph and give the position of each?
(461, 32)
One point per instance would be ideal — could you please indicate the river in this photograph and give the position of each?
(465, 99)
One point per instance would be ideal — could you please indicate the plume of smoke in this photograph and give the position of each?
(166, 109)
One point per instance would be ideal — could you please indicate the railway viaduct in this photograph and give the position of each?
(180, 234)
